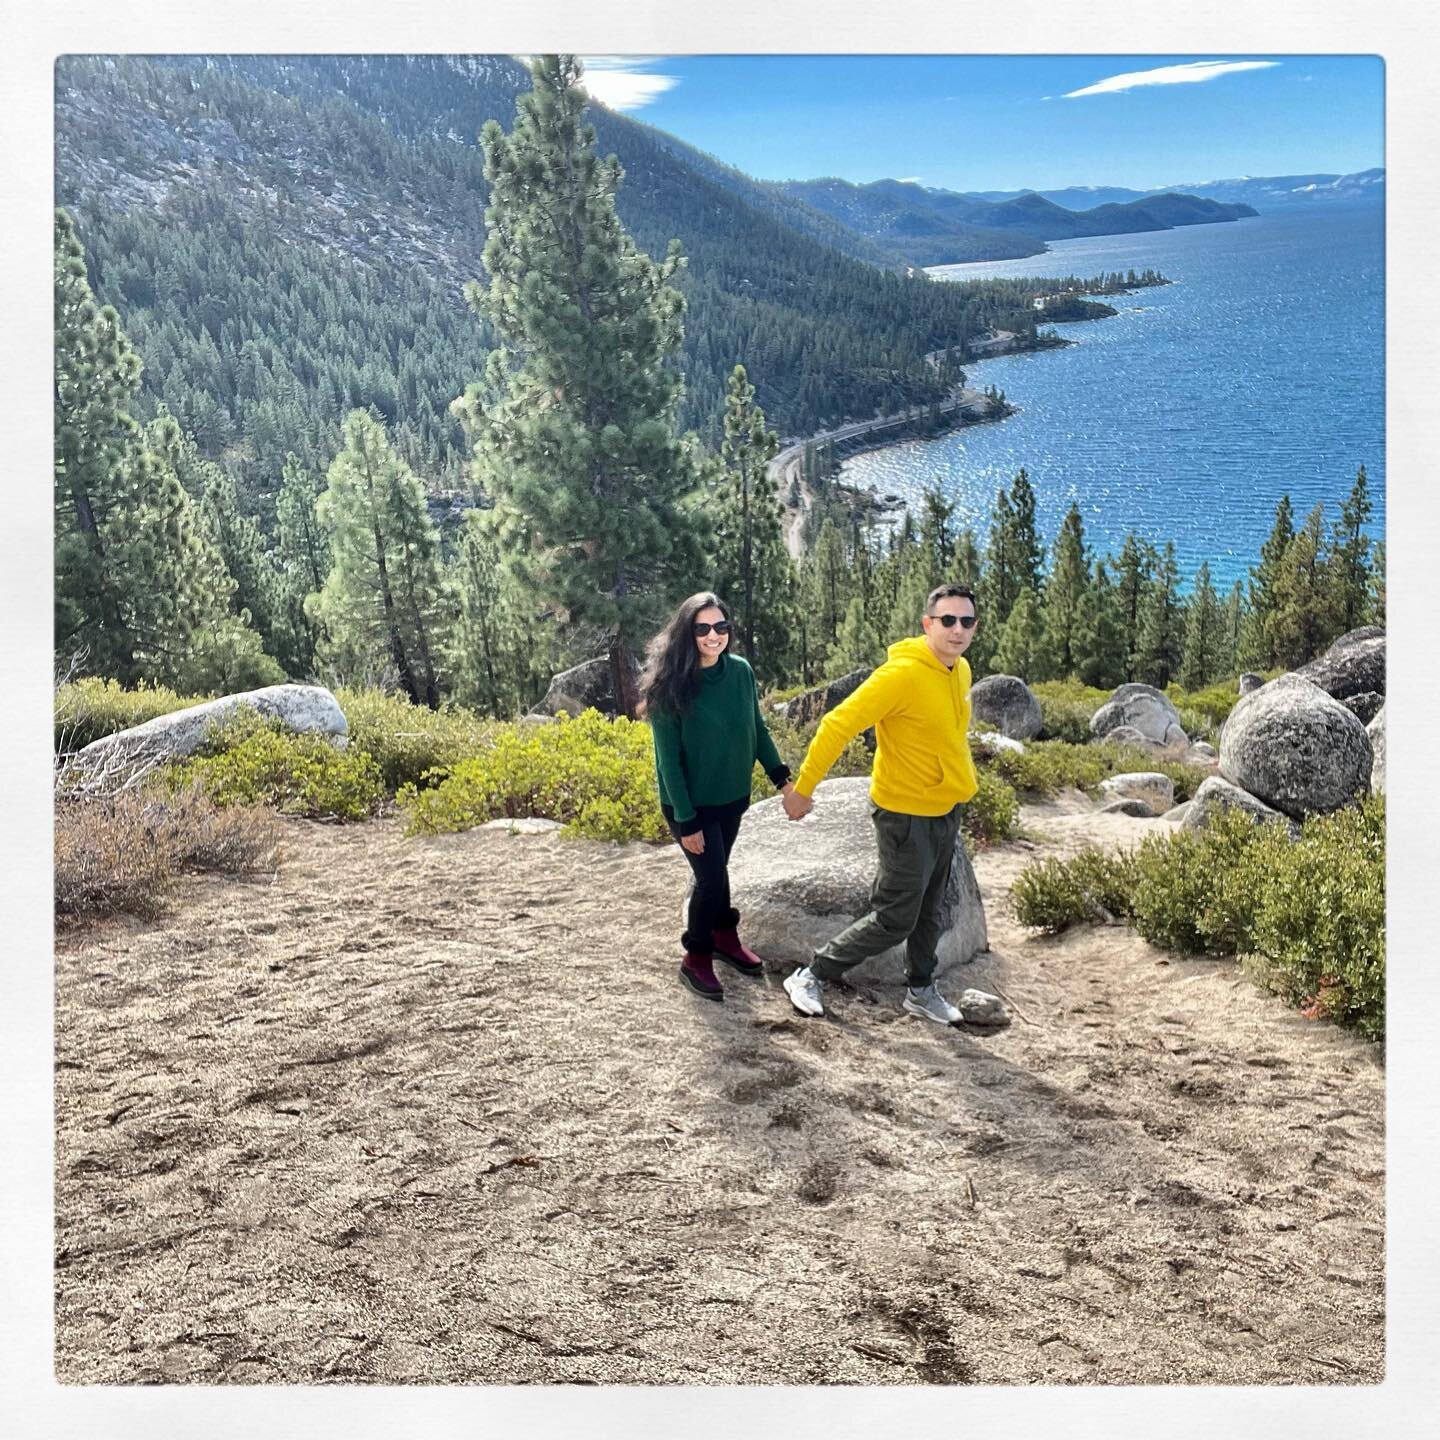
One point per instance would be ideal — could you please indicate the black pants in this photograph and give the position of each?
(709, 907)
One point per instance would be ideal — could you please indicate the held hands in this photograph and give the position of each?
(797, 806)
(695, 843)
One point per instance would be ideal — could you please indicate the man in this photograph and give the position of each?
(919, 703)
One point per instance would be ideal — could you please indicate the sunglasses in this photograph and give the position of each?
(703, 628)
(965, 622)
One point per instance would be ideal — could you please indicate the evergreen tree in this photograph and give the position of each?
(831, 586)
(965, 563)
(495, 649)
(1022, 641)
(1349, 568)
(1028, 552)
(139, 589)
(1065, 596)
(1234, 628)
(1203, 657)
(753, 568)
(382, 600)
(860, 645)
(1134, 568)
(1304, 619)
(1255, 642)
(1099, 649)
(936, 537)
(1161, 624)
(575, 436)
(303, 549)
(1377, 583)
(1002, 581)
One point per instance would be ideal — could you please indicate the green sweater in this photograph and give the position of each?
(707, 755)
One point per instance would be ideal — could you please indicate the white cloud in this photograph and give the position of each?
(910, 179)
(619, 83)
(1188, 74)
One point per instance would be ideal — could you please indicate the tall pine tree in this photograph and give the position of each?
(1064, 597)
(575, 428)
(1203, 656)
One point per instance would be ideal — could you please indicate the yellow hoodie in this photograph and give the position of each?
(921, 714)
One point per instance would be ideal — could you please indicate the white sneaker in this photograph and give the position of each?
(930, 1003)
(803, 987)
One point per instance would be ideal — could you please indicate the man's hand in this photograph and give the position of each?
(797, 806)
(695, 843)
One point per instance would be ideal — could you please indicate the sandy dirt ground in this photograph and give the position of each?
(438, 1111)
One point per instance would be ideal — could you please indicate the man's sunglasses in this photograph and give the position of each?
(965, 622)
(720, 627)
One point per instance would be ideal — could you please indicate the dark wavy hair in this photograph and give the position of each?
(671, 677)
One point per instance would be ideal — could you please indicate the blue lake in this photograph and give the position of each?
(1261, 371)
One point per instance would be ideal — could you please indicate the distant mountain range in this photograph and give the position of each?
(1269, 192)
(941, 227)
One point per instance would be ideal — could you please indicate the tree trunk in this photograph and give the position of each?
(622, 677)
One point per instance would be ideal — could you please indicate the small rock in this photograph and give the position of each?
(1152, 789)
(992, 741)
(524, 825)
(1250, 682)
(1203, 750)
(1218, 794)
(1365, 706)
(1376, 731)
(979, 1007)
(1128, 805)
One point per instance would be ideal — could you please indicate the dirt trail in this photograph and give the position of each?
(437, 1111)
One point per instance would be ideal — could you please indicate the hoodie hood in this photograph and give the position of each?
(914, 649)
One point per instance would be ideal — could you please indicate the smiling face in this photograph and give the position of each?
(712, 643)
(949, 642)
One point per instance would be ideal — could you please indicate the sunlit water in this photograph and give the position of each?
(1187, 415)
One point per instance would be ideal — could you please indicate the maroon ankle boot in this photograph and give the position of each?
(699, 975)
(729, 949)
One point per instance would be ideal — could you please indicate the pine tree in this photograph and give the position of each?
(1234, 628)
(936, 537)
(752, 568)
(303, 549)
(1002, 582)
(382, 600)
(1099, 647)
(831, 585)
(1161, 632)
(860, 646)
(1255, 643)
(1028, 552)
(574, 431)
(965, 564)
(1377, 583)
(1134, 568)
(1022, 641)
(495, 649)
(1304, 619)
(1064, 597)
(1349, 569)
(1203, 656)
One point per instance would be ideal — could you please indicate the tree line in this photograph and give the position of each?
(603, 512)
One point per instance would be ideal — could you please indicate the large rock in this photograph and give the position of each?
(310, 709)
(1296, 749)
(1365, 706)
(810, 705)
(992, 742)
(1141, 707)
(1214, 795)
(1007, 703)
(586, 686)
(797, 885)
(1351, 666)
(1155, 791)
(1376, 731)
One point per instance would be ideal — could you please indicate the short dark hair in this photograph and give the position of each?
(950, 592)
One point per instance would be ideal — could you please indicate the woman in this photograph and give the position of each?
(705, 714)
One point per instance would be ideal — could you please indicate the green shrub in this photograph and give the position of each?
(408, 741)
(92, 708)
(1047, 766)
(1310, 910)
(594, 774)
(1054, 894)
(793, 740)
(993, 812)
(1066, 707)
(251, 761)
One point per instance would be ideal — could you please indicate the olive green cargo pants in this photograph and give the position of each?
(907, 899)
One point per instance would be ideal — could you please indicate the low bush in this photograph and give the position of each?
(1048, 766)
(252, 761)
(1311, 909)
(793, 740)
(409, 741)
(1066, 707)
(92, 708)
(993, 813)
(122, 854)
(595, 775)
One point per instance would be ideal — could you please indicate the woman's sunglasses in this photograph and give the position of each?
(965, 622)
(720, 627)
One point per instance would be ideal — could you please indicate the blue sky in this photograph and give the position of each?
(1009, 122)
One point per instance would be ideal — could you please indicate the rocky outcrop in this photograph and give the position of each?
(1008, 704)
(1214, 795)
(1353, 665)
(1376, 731)
(1295, 748)
(797, 884)
(307, 709)
(1153, 790)
(1127, 805)
(1142, 708)
(586, 686)
(1364, 706)
(810, 705)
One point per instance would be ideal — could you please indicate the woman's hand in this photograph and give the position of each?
(695, 843)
